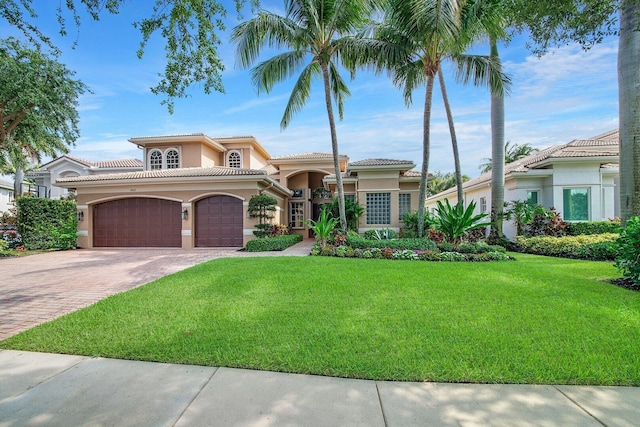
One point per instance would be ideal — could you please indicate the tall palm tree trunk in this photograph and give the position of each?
(497, 154)
(17, 182)
(334, 146)
(454, 139)
(426, 147)
(629, 100)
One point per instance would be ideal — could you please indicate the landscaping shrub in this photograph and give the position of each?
(380, 234)
(11, 238)
(456, 222)
(546, 223)
(277, 243)
(628, 251)
(410, 221)
(411, 244)
(596, 247)
(3, 245)
(47, 223)
(479, 248)
(261, 206)
(595, 227)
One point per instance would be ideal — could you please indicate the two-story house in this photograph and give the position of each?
(194, 191)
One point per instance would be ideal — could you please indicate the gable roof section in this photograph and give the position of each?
(604, 145)
(106, 164)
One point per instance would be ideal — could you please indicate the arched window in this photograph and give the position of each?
(234, 160)
(155, 160)
(172, 159)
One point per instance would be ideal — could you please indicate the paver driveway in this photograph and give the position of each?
(38, 288)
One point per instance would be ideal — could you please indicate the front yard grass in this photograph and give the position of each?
(535, 320)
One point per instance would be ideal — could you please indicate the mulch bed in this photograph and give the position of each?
(626, 283)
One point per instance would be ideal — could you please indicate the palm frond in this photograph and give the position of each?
(339, 89)
(266, 74)
(300, 93)
(482, 70)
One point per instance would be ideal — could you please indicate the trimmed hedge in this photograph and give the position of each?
(597, 247)
(47, 223)
(359, 242)
(409, 255)
(589, 228)
(277, 243)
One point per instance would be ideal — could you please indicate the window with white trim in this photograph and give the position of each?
(172, 159)
(575, 203)
(234, 160)
(404, 204)
(378, 208)
(155, 160)
(483, 204)
(532, 196)
(296, 214)
(10, 196)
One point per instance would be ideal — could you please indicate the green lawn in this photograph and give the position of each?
(535, 320)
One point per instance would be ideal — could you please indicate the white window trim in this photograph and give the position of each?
(153, 150)
(239, 153)
(164, 157)
(589, 213)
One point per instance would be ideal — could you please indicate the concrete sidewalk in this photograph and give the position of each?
(59, 390)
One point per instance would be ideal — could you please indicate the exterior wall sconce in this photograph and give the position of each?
(80, 216)
(185, 214)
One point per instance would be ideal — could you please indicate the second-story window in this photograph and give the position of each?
(234, 160)
(172, 159)
(155, 160)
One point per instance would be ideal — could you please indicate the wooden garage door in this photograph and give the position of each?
(137, 222)
(219, 222)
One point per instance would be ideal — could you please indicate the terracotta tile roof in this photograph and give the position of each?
(304, 156)
(603, 145)
(167, 173)
(122, 163)
(78, 159)
(412, 174)
(270, 170)
(381, 162)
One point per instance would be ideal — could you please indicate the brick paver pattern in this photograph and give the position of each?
(39, 288)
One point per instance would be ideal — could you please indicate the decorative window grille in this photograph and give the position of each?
(155, 160)
(483, 204)
(173, 159)
(296, 214)
(234, 160)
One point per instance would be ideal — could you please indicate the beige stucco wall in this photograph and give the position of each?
(185, 193)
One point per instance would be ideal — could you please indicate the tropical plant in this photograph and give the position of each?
(432, 32)
(261, 206)
(318, 34)
(456, 221)
(410, 221)
(628, 256)
(352, 209)
(441, 181)
(512, 153)
(522, 213)
(323, 227)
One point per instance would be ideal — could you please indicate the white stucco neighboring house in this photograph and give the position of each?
(578, 179)
(68, 166)
(6, 195)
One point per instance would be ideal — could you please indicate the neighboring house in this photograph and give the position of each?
(6, 195)
(194, 191)
(578, 179)
(68, 166)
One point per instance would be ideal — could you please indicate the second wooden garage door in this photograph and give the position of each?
(219, 222)
(137, 222)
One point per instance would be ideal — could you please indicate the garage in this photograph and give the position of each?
(219, 222)
(137, 222)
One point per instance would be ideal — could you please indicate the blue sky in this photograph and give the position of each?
(565, 95)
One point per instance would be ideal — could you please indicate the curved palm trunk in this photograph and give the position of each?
(629, 100)
(17, 183)
(334, 147)
(426, 147)
(497, 154)
(454, 139)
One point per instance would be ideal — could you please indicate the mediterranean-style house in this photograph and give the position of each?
(193, 191)
(578, 179)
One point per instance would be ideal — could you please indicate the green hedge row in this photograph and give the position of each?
(47, 223)
(597, 247)
(589, 228)
(278, 243)
(359, 242)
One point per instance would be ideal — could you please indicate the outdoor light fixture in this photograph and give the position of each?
(80, 216)
(185, 214)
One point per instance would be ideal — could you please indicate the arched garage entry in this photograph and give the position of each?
(137, 222)
(219, 222)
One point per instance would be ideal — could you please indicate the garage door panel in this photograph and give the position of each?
(137, 222)
(219, 222)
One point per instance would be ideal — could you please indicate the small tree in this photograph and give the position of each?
(261, 206)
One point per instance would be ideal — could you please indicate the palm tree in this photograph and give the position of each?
(441, 181)
(318, 34)
(511, 154)
(498, 149)
(433, 31)
(16, 160)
